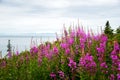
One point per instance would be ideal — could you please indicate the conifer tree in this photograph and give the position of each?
(108, 31)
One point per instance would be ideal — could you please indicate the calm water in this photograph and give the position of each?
(21, 43)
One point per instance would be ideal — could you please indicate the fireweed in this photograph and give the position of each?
(17, 53)
(115, 56)
(61, 74)
(88, 64)
(75, 56)
(72, 64)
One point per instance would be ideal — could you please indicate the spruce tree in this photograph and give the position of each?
(108, 31)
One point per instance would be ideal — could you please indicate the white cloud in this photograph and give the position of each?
(77, 2)
(61, 3)
(66, 3)
(94, 2)
(50, 15)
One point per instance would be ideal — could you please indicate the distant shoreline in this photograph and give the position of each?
(29, 35)
(25, 36)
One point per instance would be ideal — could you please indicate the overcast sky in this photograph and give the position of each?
(31, 16)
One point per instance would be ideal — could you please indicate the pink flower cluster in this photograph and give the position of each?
(87, 63)
(115, 56)
(72, 64)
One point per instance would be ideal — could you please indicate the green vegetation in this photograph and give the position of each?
(75, 56)
(112, 35)
(108, 31)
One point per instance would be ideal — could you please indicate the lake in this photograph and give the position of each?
(22, 43)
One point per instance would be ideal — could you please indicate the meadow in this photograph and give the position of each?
(75, 56)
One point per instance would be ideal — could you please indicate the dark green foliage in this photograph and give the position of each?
(117, 35)
(118, 30)
(108, 31)
(117, 38)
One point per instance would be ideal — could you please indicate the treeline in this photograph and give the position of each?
(111, 33)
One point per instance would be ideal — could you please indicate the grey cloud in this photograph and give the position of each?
(91, 11)
(25, 13)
